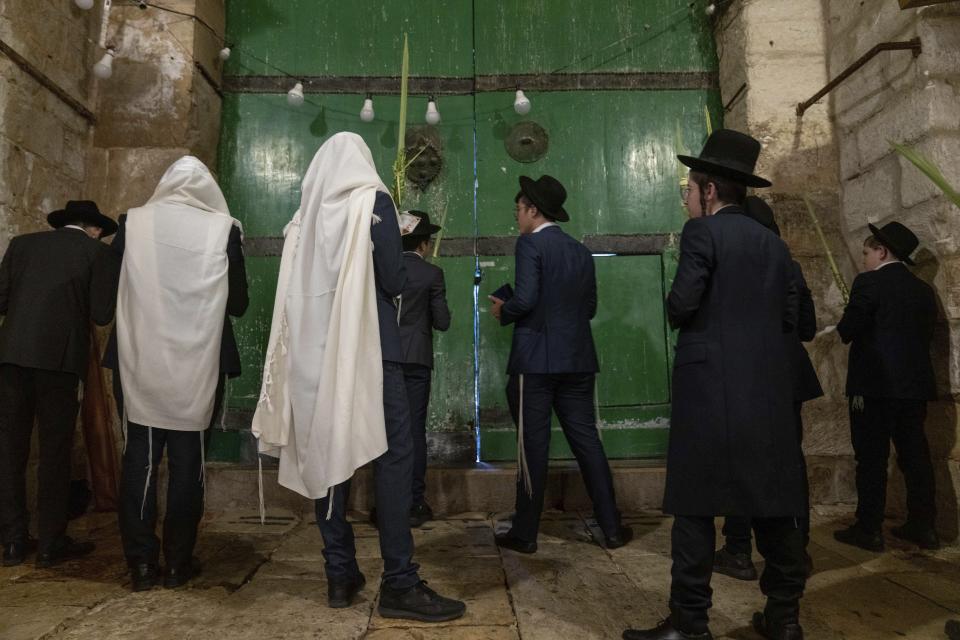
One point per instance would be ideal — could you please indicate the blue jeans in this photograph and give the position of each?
(393, 477)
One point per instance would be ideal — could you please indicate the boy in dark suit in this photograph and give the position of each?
(553, 362)
(423, 309)
(47, 298)
(889, 325)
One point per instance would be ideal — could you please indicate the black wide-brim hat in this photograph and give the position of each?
(898, 238)
(547, 194)
(83, 211)
(424, 228)
(728, 154)
(760, 211)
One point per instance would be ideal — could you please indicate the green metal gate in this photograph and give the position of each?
(619, 87)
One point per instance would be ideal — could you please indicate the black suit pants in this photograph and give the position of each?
(51, 398)
(417, 379)
(779, 541)
(871, 429)
(571, 396)
(138, 497)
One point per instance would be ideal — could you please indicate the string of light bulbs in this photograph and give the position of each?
(103, 68)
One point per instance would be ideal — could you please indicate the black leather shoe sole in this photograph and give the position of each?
(406, 614)
(73, 551)
(857, 539)
(515, 544)
(615, 542)
(175, 580)
(140, 583)
(927, 540)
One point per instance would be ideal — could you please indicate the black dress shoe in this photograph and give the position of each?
(65, 548)
(923, 537)
(178, 575)
(792, 631)
(14, 553)
(419, 602)
(420, 514)
(857, 537)
(735, 565)
(143, 577)
(622, 537)
(340, 592)
(507, 541)
(665, 631)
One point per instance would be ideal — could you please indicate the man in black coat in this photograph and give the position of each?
(733, 447)
(734, 558)
(423, 309)
(889, 326)
(46, 297)
(553, 362)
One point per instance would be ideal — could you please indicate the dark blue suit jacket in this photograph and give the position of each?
(390, 274)
(554, 299)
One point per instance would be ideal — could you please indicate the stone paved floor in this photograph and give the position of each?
(267, 582)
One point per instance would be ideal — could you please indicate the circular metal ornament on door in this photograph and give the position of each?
(527, 142)
(425, 154)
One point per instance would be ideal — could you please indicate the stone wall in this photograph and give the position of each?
(778, 49)
(913, 100)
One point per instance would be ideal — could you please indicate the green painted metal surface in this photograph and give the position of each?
(358, 38)
(574, 36)
(614, 151)
(267, 146)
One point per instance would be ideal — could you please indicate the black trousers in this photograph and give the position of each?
(779, 541)
(736, 529)
(871, 429)
(51, 398)
(571, 396)
(417, 380)
(138, 499)
(393, 475)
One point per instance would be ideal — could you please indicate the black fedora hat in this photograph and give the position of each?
(424, 228)
(897, 238)
(83, 211)
(760, 211)
(728, 154)
(547, 195)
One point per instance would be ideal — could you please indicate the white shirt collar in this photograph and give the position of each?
(544, 226)
(881, 266)
(74, 226)
(414, 253)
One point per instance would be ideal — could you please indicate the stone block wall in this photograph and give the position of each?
(914, 100)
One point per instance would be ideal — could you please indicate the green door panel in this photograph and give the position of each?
(452, 389)
(573, 36)
(253, 331)
(614, 151)
(359, 38)
(629, 331)
(268, 146)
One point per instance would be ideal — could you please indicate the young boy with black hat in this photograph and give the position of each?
(889, 326)
(423, 309)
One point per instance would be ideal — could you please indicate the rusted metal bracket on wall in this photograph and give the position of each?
(47, 83)
(910, 45)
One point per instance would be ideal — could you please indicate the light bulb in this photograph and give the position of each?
(225, 53)
(104, 68)
(366, 113)
(295, 95)
(711, 9)
(432, 116)
(84, 4)
(521, 104)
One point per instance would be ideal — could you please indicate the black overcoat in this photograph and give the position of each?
(46, 294)
(423, 309)
(734, 448)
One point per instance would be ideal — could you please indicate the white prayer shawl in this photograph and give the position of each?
(172, 299)
(321, 402)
